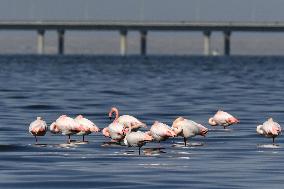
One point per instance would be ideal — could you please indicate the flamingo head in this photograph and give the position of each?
(105, 132)
(177, 129)
(259, 129)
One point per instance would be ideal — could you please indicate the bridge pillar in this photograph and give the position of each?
(40, 41)
(227, 43)
(60, 41)
(143, 43)
(207, 49)
(123, 42)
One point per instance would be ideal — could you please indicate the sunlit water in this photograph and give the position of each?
(155, 88)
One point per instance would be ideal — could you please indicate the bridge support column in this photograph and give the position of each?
(207, 48)
(40, 41)
(227, 43)
(60, 41)
(123, 42)
(143, 43)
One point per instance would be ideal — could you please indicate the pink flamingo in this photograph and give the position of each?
(114, 131)
(38, 128)
(66, 125)
(87, 126)
(188, 128)
(269, 129)
(126, 120)
(161, 132)
(222, 118)
(136, 139)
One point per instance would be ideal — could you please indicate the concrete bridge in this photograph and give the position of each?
(227, 28)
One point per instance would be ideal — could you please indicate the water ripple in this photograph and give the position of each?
(151, 88)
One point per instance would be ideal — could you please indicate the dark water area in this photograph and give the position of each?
(153, 88)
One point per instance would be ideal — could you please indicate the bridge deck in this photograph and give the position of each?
(131, 25)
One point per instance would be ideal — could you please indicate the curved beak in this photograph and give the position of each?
(204, 132)
(109, 118)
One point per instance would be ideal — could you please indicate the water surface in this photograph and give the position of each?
(153, 88)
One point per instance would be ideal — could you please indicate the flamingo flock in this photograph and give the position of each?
(125, 129)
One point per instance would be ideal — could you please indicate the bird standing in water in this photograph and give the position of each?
(67, 126)
(188, 128)
(161, 132)
(269, 129)
(136, 138)
(38, 128)
(86, 126)
(223, 119)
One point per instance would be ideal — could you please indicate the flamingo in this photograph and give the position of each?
(126, 120)
(222, 118)
(188, 128)
(38, 128)
(66, 125)
(136, 138)
(161, 132)
(87, 126)
(114, 131)
(269, 129)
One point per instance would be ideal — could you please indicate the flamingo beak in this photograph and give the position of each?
(109, 118)
(204, 132)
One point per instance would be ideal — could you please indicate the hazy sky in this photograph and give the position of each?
(174, 10)
(158, 43)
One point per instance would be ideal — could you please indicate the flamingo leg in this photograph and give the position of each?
(36, 139)
(184, 139)
(69, 140)
(273, 139)
(139, 150)
(83, 138)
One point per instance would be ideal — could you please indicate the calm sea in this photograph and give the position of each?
(153, 88)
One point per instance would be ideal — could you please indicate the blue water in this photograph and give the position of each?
(154, 88)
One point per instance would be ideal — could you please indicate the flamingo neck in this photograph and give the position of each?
(115, 110)
(212, 121)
